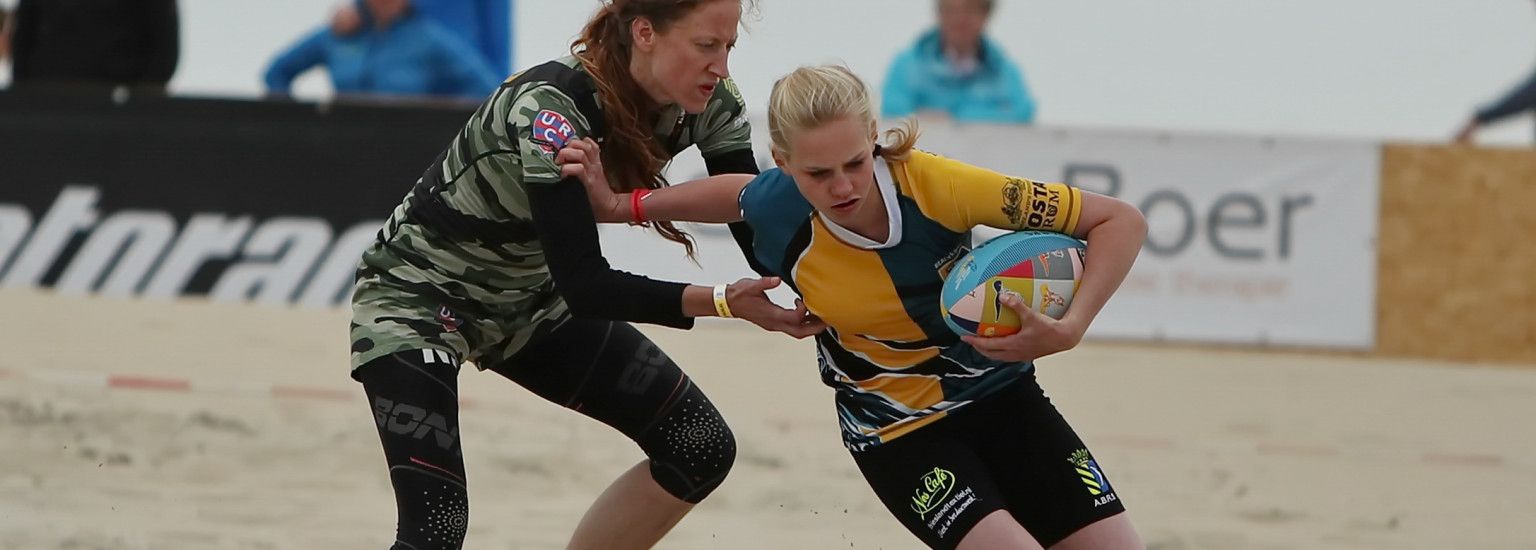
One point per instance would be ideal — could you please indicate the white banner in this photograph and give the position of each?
(1252, 240)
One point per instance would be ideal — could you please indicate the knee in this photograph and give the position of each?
(692, 451)
(433, 511)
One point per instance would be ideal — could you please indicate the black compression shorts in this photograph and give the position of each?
(1011, 451)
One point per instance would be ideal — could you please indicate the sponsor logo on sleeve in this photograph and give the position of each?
(1013, 197)
(1044, 205)
(551, 131)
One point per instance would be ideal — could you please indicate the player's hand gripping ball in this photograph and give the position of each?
(1042, 268)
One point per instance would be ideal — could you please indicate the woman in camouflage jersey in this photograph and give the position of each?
(493, 258)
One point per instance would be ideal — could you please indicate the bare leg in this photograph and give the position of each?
(998, 531)
(1111, 533)
(634, 512)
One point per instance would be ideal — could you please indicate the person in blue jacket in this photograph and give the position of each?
(955, 71)
(485, 24)
(399, 53)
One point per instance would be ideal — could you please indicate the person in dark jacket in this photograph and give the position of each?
(133, 43)
(1520, 99)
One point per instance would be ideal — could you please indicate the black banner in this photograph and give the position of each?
(239, 200)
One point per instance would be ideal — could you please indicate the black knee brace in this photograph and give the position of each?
(434, 510)
(614, 374)
(690, 447)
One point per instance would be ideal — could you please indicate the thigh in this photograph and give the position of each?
(416, 410)
(1050, 480)
(605, 370)
(933, 482)
(1111, 533)
(998, 531)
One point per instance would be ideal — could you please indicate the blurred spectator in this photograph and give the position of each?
(397, 52)
(955, 71)
(485, 24)
(135, 43)
(1518, 100)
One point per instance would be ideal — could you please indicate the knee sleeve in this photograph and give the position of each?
(433, 510)
(691, 448)
(612, 373)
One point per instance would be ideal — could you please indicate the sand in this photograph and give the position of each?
(1209, 449)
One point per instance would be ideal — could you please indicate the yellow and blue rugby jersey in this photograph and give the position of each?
(894, 363)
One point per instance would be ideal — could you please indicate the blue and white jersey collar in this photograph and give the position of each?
(887, 188)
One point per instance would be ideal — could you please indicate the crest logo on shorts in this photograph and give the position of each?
(932, 490)
(449, 321)
(1088, 470)
(551, 131)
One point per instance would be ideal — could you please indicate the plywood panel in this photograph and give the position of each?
(1457, 254)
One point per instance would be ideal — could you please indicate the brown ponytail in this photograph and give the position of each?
(631, 155)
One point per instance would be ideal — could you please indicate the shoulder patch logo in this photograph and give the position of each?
(552, 131)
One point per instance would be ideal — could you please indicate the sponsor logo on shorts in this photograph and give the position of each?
(415, 422)
(642, 369)
(932, 490)
(449, 321)
(1093, 477)
(937, 495)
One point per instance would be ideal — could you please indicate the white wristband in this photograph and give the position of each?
(722, 308)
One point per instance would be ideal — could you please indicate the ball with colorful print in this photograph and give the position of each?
(1042, 268)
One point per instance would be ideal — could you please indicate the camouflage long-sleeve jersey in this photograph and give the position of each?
(492, 247)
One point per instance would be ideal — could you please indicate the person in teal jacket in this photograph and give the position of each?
(957, 72)
(401, 53)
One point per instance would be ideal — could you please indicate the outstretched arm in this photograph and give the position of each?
(287, 66)
(707, 200)
(1520, 99)
(590, 286)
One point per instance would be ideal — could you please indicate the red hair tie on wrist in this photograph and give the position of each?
(635, 209)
